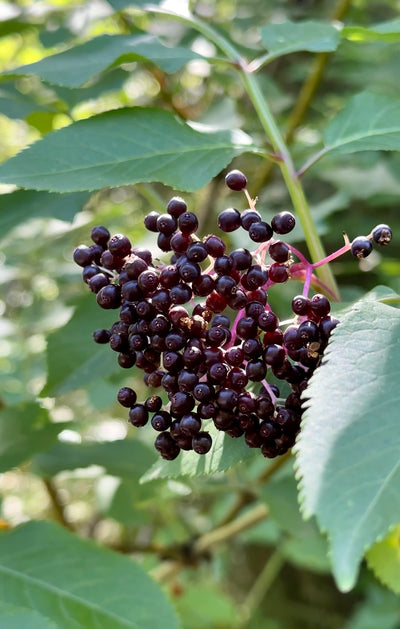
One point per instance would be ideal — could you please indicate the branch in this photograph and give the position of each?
(56, 503)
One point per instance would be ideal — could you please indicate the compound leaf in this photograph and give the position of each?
(77, 584)
(122, 147)
(348, 452)
(73, 359)
(126, 458)
(22, 205)
(368, 122)
(225, 453)
(24, 430)
(66, 68)
(287, 37)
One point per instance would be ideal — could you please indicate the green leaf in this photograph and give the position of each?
(385, 31)
(76, 583)
(348, 451)
(383, 558)
(18, 207)
(311, 35)
(126, 458)
(66, 68)
(225, 452)
(83, 361)
(24, 430)
(123, 147)
(13, 617)
(14, 104)
(369, 122)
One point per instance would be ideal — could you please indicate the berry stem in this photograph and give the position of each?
(332, 256)
(271, 393)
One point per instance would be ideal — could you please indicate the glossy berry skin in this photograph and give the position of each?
(229, 220)
(166, 224)
(260, 232)
(283, 223)
(279, 251)
(248, 217)
(202, 442)
(176, 206)
(382, 234)
(361, 247)
(100, 235)
(109, 297)
(236, 180)
(138, 415)
(320, 305)
(119, 245)
(278, 273)
(150, 221)
(101, 336)
(83, 256)
(215, 247)
(188, 222)
(126, 397)
(300, 305)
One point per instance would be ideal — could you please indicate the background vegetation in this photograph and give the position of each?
(230, 548)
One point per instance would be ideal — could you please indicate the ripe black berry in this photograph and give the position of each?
(119, 245)
(236, 180)
(382, 234)
(283, 223)
(229, 220)
(361, 247)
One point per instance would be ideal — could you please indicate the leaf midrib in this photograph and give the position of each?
(67, 595)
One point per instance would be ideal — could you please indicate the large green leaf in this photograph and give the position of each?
(287, 37)
(368, 122)
(18, 207)
(24, 430)
(66, 68)
(124, 147)
(73, 359)
(225, 452)
(348, 452)
(127, 458)
(77, 584)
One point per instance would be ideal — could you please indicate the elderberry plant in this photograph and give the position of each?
(210, 368)
(236, 330)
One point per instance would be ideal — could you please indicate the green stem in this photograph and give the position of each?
(268, 123)
(260, 588)
(292, 181)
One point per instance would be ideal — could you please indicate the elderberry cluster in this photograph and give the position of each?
(175, 324)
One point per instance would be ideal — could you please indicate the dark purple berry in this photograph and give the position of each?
(119, 245)
(229, 220)
(100, 235)
(279, 251)
(260, 232)
(126, 397)
(202, 443)
(150, 221)
(283, 223)
(236, 180)
(109, 297)
(176, 206)
(361, 247)
(248, 217)
(382, 234)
